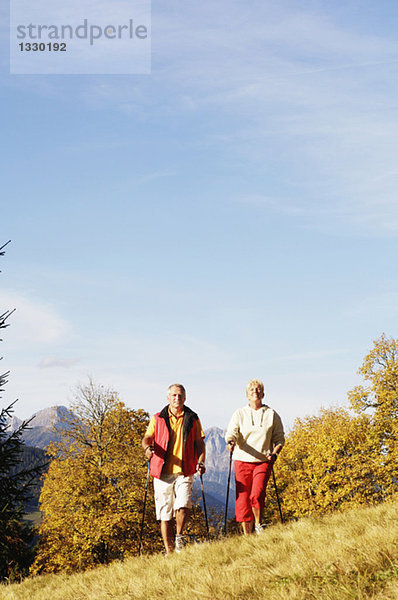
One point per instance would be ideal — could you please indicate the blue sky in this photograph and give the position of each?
(231, 215)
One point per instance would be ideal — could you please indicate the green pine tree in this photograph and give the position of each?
(16, 536)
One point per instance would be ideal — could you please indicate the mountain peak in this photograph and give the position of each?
(49, 417)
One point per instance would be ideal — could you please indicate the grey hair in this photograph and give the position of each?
(177, 385)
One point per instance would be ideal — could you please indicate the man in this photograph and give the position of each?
(255, 432)
(174, 443)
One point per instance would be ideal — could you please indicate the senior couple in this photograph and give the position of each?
(174, 445)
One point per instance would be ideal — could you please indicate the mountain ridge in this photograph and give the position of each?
(45, 426)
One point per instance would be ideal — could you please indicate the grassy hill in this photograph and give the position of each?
(344, 556)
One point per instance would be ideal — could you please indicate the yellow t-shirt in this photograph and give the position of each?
(173, 458)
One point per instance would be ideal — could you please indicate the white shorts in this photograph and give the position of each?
(171, 493)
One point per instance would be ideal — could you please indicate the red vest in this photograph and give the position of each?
(162, 437)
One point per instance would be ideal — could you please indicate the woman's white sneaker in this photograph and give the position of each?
(259, 528)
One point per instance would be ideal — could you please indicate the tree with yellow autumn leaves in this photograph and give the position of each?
(92, 496)
(379, 396)
(341, 459)
(326, 465)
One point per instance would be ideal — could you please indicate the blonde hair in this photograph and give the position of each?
(256, 382)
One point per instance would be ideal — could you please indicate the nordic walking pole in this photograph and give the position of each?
(204, 504)
(277, 496)
(143, 509)
(226, 502)
(276, 451)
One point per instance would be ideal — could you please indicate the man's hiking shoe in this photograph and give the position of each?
(179, 543)
(260, 528)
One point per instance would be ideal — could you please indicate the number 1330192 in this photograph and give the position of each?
(42, 47)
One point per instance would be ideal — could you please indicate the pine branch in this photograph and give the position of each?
(3, 246)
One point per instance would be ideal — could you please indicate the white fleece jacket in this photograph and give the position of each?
(256, 433)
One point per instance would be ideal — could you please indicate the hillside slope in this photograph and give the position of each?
(344, 556)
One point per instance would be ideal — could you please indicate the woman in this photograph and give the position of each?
(255, 435)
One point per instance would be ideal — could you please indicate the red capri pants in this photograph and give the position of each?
(251, 485)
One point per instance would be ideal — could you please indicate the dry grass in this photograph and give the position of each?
(346, 556)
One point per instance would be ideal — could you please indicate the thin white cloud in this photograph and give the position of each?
(315, 355)
(308, 94)
(34, 322)
(305, 91)
(51, 362)
(384, 303)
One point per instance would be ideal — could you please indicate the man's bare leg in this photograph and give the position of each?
(182, 515)
(166, 528)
